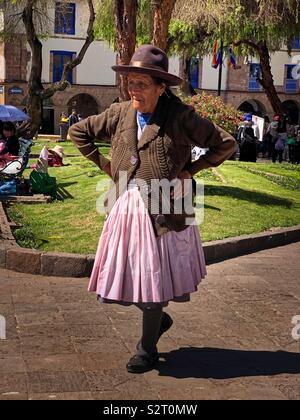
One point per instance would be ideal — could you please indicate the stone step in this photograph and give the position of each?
(50, 137)
(37, 198)
(5, 231)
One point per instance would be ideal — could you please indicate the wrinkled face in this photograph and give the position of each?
(144, 92)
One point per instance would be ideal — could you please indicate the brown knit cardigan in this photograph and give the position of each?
(163, 151)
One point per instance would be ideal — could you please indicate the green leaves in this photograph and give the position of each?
(214, 109)
(105, 28)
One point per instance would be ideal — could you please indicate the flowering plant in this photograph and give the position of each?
(214, 109)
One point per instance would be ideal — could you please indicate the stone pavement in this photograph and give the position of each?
(232, 341)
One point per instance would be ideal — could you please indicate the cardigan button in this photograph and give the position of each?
(133, 160)
(145, 189)
(160, 219)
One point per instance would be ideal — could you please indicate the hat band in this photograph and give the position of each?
(141, 64)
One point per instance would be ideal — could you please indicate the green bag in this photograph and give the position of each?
(42, 183)
(291, 141)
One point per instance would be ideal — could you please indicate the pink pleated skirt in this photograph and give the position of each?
(132, 265)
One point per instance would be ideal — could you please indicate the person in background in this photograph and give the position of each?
(55, 157)
(297, 148)
(290, 137)
(247, 122)
(273, 133)
(9, 141)
(248, 147)
(281, 141)
(291, 144)
(73, 118)
(63, 126)
(266, 138)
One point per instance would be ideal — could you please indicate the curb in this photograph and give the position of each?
(30, 261)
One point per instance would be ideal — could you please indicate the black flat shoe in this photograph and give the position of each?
(141, 364)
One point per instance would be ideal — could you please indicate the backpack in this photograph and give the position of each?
(43, 183)
(291, 142)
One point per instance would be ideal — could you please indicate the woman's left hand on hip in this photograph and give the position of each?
(181, 187)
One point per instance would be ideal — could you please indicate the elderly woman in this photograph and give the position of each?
(148, 256)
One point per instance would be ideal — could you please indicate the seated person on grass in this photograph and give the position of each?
(9, 144)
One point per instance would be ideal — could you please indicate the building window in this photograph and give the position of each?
(255, 72)
(65, 18)
(194, 72)
(59, 59)
(296, 43)
(291, 84)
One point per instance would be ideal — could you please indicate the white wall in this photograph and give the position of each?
(278, 61)
(210, 76)
(174, 65)
(95, 67)
(2, 67)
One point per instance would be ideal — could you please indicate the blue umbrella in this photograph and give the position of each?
(11, 113)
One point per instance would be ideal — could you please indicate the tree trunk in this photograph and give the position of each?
(186, 87)
(35, 87)
(36, 91)
(267, 80)
(125, 18)
(162, 15)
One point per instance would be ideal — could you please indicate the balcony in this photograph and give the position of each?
(254, 73)
(253, 85)
(291, 86)
(296, 43)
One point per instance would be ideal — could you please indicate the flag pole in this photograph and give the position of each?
(220, 68)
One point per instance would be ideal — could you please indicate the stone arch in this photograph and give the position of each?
(254, 106)
(84, 103)
(292, 109)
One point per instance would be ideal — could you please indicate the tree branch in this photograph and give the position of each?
(247, 42)
(70, 65)
(27, 17)
(35, 46)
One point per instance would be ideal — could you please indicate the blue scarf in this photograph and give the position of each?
(143, 119)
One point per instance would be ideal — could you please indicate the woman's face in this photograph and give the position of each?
(8, 133)
(144, 92)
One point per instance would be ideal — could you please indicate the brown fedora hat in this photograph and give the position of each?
(151, 60)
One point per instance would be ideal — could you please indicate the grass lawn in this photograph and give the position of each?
(240, 198)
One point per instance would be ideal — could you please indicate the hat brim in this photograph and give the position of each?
(60, 154)
(171, 79)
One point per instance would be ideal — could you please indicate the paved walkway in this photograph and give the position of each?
(233, 341)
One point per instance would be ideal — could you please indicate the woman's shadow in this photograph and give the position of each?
(214, 363)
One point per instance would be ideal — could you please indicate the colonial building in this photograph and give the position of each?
(241, 89)
(93, 84)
